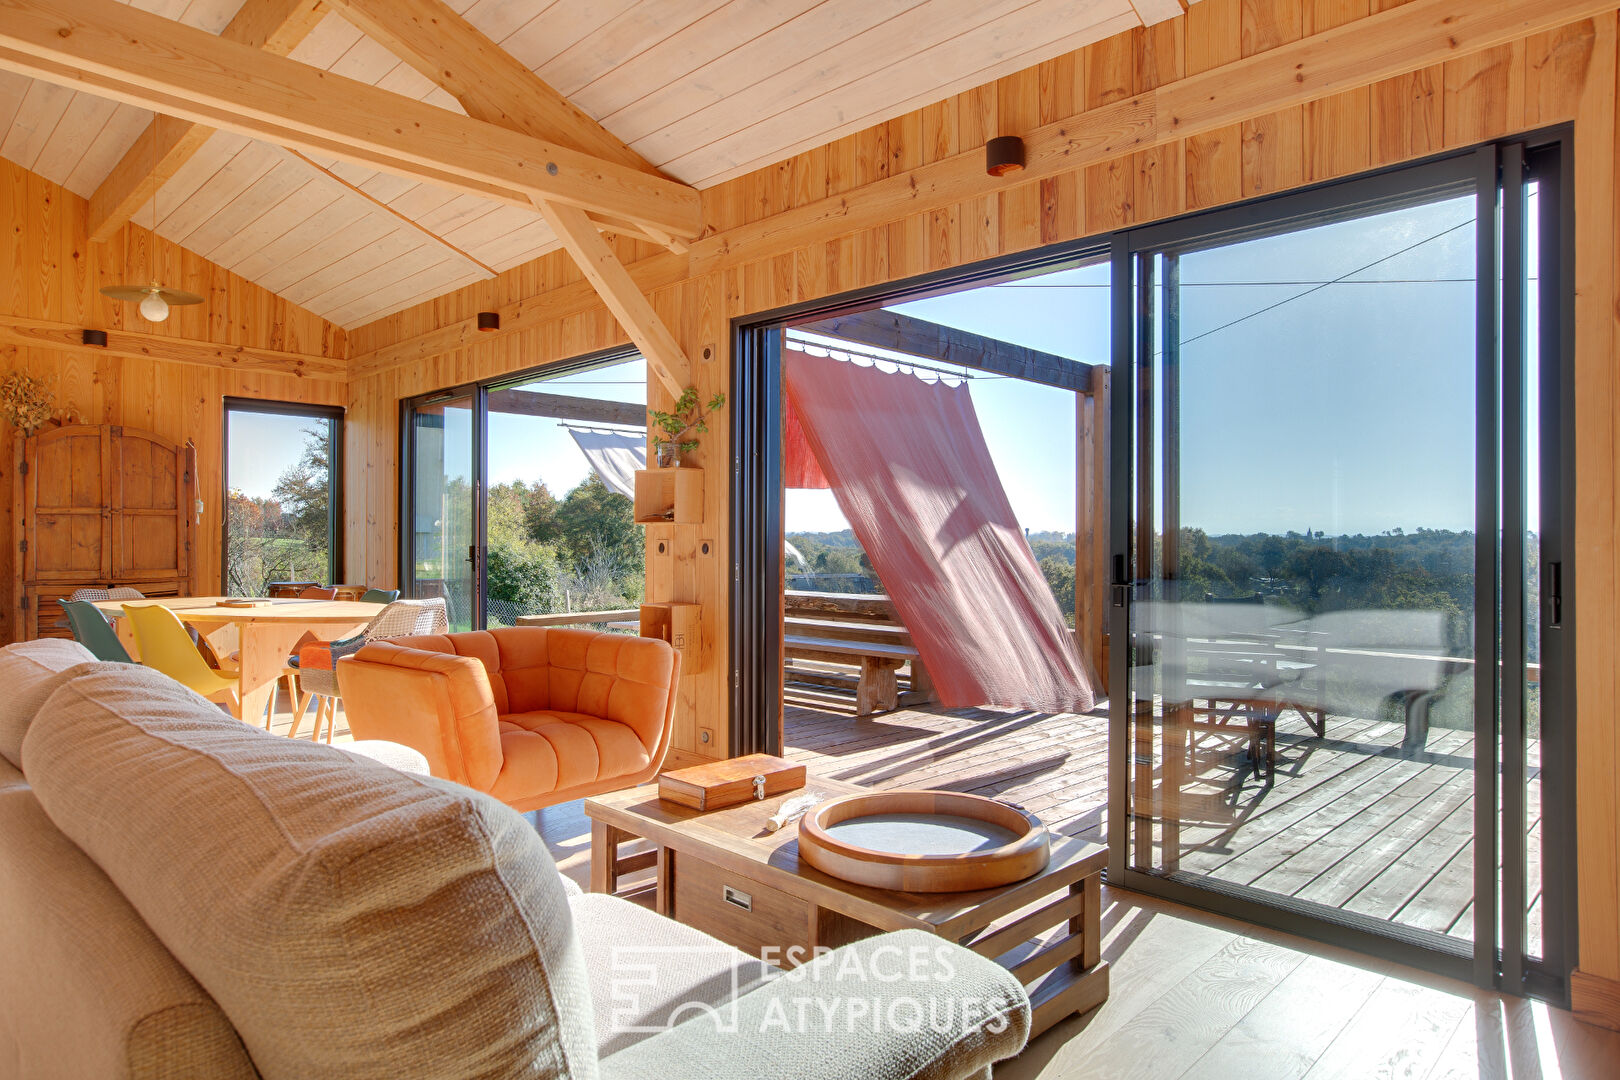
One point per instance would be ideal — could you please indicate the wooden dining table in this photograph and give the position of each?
(265, 635)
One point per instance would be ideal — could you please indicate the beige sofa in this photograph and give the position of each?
(183, 895)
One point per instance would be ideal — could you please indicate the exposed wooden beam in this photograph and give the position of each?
(43, 334)
(563, 407)
(1157, 11)
(490, 83)
(113, 50)
(918, 337)
(276, 26)
(492, 86)
(1417, 35)
(619, 292)
(654, 272)
(409, 223)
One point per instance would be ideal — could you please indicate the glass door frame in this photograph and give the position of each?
(1491, 961)
(475, 393)
(478, 392)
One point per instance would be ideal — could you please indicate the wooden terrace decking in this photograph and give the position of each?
(1347, 821)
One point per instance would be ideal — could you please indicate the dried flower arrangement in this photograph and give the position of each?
(25, 403)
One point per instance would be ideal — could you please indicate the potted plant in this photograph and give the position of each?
(680, 426)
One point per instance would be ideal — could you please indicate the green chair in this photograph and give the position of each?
(91, 629)
(380, 596)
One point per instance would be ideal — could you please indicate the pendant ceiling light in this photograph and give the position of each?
(154, 300)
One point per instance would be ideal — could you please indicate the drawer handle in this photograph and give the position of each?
(737, 898)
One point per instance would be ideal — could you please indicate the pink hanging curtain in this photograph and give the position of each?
(800, 469)
(912, 473)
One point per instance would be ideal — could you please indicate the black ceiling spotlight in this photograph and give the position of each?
(98, 338)
(489, 320)
(1003, 155)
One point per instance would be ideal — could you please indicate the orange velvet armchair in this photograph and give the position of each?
(532, 715)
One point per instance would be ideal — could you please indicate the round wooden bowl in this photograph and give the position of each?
(923, 841)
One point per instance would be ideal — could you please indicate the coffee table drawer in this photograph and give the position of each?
(756, 918)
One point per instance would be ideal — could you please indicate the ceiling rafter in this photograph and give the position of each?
(411, 224)
(277, 27)
(116, 51)
(493, 86)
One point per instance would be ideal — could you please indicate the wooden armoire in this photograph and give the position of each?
(98, 505)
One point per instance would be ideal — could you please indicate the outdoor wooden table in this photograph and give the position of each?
(268, 633)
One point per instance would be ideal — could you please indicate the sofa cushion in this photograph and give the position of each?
(534, 669)
(11, 777)
(86, 989)
(350, 919)
(31, 671)
(648, 972)
(435, 702)
(551, 751)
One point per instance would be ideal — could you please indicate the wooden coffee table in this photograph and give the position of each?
(722, 873)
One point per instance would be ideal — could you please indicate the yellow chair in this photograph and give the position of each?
(165, 646)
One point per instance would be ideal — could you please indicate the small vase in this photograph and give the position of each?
(669, 455)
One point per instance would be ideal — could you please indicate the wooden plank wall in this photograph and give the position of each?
(51, 275)
(1529, 83)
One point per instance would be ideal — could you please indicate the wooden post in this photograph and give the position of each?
(1091, 533)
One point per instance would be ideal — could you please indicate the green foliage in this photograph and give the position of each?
(540, 515)
(598, 524)
(1429, 570)
(287, 535)
(1060, 579)
(684, 420)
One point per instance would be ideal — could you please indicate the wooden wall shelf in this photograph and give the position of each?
(669, 497)
(679, 624)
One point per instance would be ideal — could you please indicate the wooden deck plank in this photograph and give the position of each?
(1348, 821)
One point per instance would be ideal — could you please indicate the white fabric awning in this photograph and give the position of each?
(615, 456)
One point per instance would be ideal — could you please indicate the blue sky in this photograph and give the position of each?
(262, 447)
(1326, 380)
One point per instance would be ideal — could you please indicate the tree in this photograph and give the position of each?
(1060, 579)
(540, 515)
(597, 522)
(305, 489)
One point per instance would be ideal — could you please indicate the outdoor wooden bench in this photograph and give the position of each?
(846, 625)
(878, 689)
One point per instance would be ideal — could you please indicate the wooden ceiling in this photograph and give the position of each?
(704, 89)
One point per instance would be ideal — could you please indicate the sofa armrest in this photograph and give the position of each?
(905, 1004)
(439, 704)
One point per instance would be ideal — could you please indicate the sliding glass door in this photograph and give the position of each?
(1328, 553)
(442, 549)
(518, 491)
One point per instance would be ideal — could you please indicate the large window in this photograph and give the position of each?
(282, 498)
(1332, 518)
(518, 493)
(1334, 564)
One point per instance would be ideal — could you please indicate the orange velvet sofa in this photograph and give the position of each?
(531, 715)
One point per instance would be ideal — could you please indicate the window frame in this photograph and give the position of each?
(335, 513)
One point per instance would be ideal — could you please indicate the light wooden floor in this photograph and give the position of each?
(1194, 996)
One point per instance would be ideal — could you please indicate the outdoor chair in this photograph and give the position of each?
(379, 596)
(91, 629)
(312, 672)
